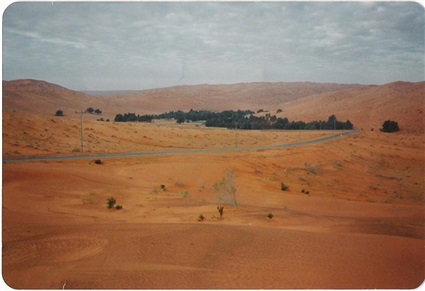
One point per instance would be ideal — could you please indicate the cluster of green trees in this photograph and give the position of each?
(91, 110)
(273, 122)
(242, 119)
(132, 117)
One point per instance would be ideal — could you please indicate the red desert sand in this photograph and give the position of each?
(352, 216)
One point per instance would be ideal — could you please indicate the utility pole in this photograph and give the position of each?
(81, 129)
(236, 135)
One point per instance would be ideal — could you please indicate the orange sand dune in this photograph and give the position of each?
(353, 216)
(365, 106)
(360, 226)
(45, 98)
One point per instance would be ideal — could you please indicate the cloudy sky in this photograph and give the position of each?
(117, 46)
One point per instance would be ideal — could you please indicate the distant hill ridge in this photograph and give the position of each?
(366, 106)
(212, 97)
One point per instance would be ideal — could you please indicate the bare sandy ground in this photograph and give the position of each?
(353, 216)
(35, 135)
(361, 225)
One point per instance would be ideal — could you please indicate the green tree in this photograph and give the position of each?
(59, 113)
(332, 121)
(390, 126)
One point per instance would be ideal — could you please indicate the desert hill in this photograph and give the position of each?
(40, 97)
(252, 96)
(366, 106)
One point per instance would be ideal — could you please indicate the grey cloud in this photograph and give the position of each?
(88, 45)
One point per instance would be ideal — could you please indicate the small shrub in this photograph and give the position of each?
(163, 187)
(270, 215)
(201, 217)
(98, 162)
(220, 210)
(118, 207)
(184, 193)
(111, 202)
(283, 187)
(311, 168)
(59, 113)
(390, 126)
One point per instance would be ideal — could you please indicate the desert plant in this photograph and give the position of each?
(305, 191)
(220, 210)
(184, 193)
(390, 126)
(118, 207)
(111, 202)
(311, 168)
(201, 217)
(226, 190)
(283, 187)
(163, 187)
(59, 113)
(270, 216)
(98, 162)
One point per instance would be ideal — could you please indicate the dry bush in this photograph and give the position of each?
(225, 189)
(311, 168)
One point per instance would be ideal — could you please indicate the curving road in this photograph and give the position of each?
(182, 152)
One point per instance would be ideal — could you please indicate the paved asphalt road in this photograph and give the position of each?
(181, 152)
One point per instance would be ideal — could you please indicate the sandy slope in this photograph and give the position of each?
(360, 226)
(366, 107)
(38, 135)
(45, 98)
